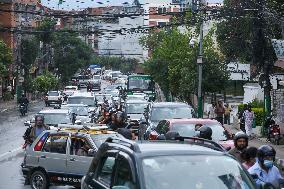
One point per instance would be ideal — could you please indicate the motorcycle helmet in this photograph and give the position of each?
(205, 132)
(240, 135)
(265, 151)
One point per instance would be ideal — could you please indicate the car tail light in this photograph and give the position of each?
(153, 135)
(40, 143)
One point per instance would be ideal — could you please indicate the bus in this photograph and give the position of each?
(141, 83)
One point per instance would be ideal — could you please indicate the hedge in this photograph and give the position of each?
(258, 112)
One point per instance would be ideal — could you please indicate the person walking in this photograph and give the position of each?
(241, 118)
(248, 117)
(220, 110)
(227, 114)
(211, 112)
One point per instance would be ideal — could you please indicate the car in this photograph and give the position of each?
(158, 111)
(186, 128)
(83, 98)
(134, 110)
(81, 112)
(70, 88)
(115, 75)
(53, 97)
(56, 157)
(99, 98)
(125, 164)
(83, 81)
(137, 97)
(53, 117)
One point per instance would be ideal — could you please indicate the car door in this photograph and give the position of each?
(124, 174)
(53, 156)
(78, 164)
(104, 174)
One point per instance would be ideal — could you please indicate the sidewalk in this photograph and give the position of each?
(12, 104)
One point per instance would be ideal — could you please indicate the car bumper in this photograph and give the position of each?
(53, 101)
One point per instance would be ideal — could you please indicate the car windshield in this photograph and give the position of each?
(161, 113)
(79, 110)
(135, 108)
(188, 130)
(100, 98)
(194, 171)
(116, 74)
(139, 84)
(53, 93)
(101, 138)
(82, 100)
(135, 97)
(58, 118)
(96, 77)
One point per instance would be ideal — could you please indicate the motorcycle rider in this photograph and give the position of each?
(264, 167)
(38, 127)
(240, 143)
(118, 122)
(23, 100)
(205, 132)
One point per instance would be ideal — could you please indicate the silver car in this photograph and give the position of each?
(61, 157)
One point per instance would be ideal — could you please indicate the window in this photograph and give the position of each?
(79, 147)
(162, 127)
(123, 175)
(106, 169)
(162, 10)
(56, 144)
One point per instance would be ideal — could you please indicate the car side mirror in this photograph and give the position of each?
(91, 152)
(120, 187)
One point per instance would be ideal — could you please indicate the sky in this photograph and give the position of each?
(82, 4)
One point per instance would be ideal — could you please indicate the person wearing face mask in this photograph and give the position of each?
(264, 167)
(240, 143)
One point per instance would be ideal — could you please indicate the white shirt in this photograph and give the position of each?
(272, 176)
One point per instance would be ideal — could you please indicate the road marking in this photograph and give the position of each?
(10, 152)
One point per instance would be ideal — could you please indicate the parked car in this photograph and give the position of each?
(186, 128)
(53, 97)
(61, 157)
(125, 164)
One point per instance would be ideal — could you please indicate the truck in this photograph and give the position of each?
(143, 84)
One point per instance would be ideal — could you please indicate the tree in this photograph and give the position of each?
(45, 82)
(173, 64)
(5, 59)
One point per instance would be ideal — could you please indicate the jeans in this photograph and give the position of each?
(220, 120)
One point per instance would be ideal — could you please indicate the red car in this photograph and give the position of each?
(186, 128)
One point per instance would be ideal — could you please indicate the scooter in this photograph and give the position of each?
(22, 109)
(274, 135)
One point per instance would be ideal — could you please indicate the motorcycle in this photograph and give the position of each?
(23, 110)
(26, 136)
(274, 135)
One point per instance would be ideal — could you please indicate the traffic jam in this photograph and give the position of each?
(111, 130)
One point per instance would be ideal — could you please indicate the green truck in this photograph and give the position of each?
(141, 83)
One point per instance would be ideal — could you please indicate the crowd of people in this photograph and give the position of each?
(258, 161)
(222, 113)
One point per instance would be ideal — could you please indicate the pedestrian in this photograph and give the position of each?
(241, 118)
(38, 127)
(227, 114)
(220, 110)
(248, 117)
(211, 112)
(240, 143)
(264, 168)
(249, 157)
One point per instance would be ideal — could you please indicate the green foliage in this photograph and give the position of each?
(173, 64)
(125, 65)
(7, 96)
(30, 48)
(71, 53)
(258, 113)
(5, 59)
(45, 82)
(48, 26)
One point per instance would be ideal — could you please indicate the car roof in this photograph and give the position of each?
(193, 120)
(54, 111)
(137, 101)
(81, 94)
(170, 104)
(76, 105)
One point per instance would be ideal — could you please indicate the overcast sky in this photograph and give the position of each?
(81, 4)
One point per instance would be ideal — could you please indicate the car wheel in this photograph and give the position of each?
(38, 180)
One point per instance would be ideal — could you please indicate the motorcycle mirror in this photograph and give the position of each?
(27, 123)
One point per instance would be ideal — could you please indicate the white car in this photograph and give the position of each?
(53, 97)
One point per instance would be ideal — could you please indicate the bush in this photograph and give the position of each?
(258, 113)
(7, 96)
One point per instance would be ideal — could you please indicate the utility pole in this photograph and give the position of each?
(200, 64)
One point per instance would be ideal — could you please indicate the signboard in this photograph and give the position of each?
(278, 46)
(239, 72)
